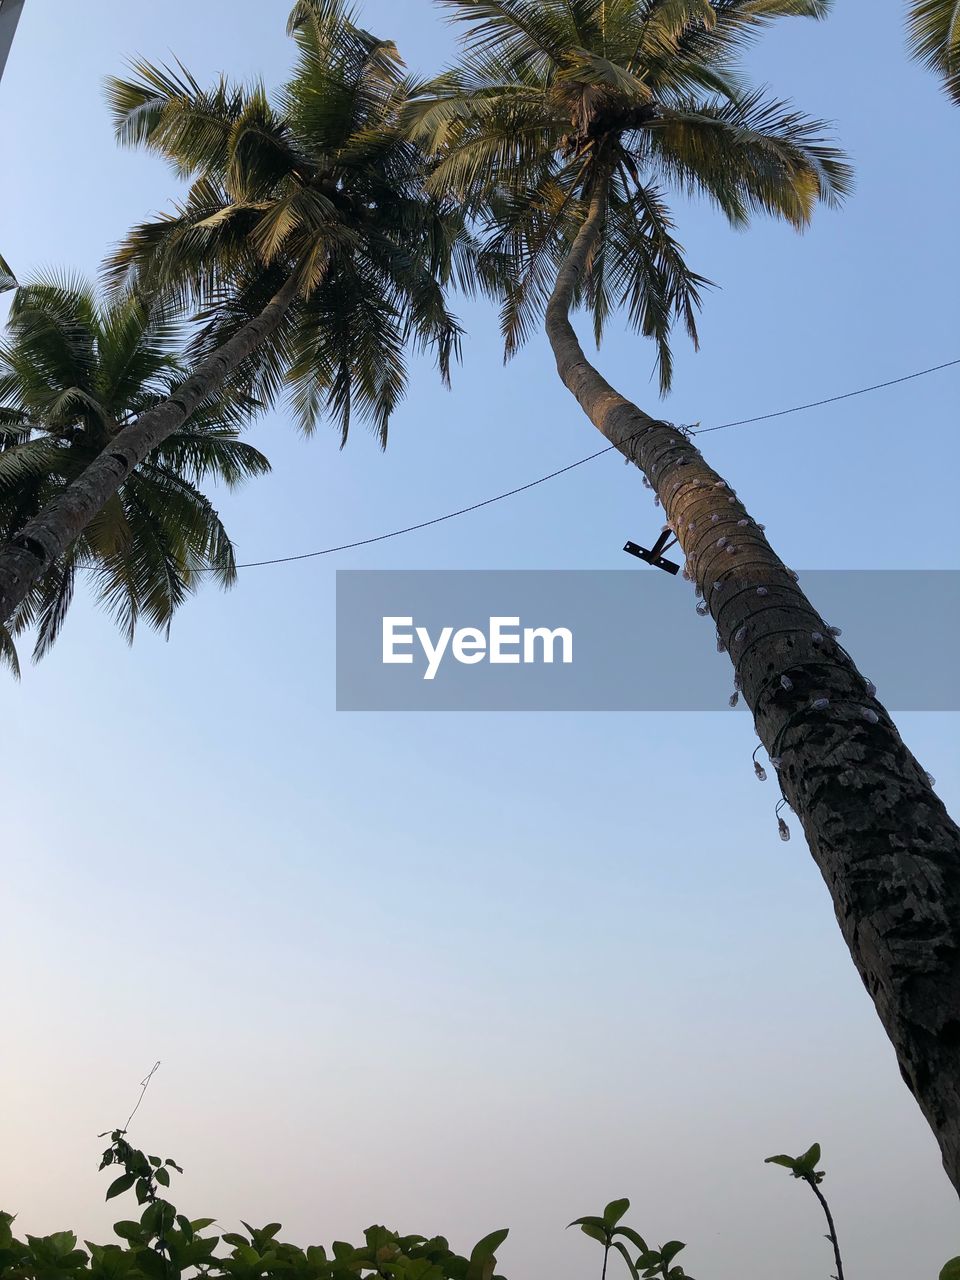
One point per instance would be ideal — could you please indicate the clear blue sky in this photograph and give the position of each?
(456, 972)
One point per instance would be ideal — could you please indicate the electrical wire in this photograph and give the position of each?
(532, 484)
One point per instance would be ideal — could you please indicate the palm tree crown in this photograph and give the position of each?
(934, 34)
(316, 184)
(557, 102)
(73, 373)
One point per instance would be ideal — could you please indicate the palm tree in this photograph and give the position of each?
(306, 241)
(561, 130)
(933, 28)
(73, 373)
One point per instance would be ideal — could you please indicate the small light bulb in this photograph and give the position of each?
(693, 525)
(721, 484)
(820, 704)
(740, 634)
(731, 501)
(786, 683)
(762, 528)
(696, 483)
(722, 542)
(721, 647)
(734, 697)
(776, 761)
(870, 715)
(646, 482)
(742, 524)
(871, 689)
(656, 499)
(794, 575)
(718, 586)
(731, 550)
(762, 591)
(714, 519)
(816, 637)
(760, 771)
(930, 779)
(784, 830)
(703, 609)
(835, 631)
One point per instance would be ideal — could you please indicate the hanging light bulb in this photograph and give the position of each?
(816, 637)
(870, 715)
(786, 683)
(776, 761)
(783, 828)
(721, 484)
(703, 609)
(762, 591)
(820, 704)
(718, 586)
(731, 501)
(762, 528)
(731, 550)
(692, 525)
(835, 631)
(721, 647)
(742, 524)
(646, 482)
(930, 779)
(740, 634)
(722, 542)
(760, 771)
(734, 697)
(871, 689)
(714, 518)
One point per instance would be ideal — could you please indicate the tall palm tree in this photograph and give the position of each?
(306, 240)
(73, 373)
(561, 129)
(933, 28)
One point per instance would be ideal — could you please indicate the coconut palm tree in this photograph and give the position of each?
(562, 129)
(933, 28)
(73, 373)
(306, 241)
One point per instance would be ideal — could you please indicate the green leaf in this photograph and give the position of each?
(787, 1162)
(163, 1177)
(633, 1236)
(670, 1251)
(810, 1159)
(614, 1212)
(952, 1270)
(120, 1185)
(622, 1250)
(488, 1246)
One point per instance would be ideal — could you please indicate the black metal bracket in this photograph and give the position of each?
(655, 556)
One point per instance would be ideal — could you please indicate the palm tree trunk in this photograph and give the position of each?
(28, 556)
(885, 845)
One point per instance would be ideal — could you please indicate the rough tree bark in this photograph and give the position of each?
(885, 845)
(25, 559)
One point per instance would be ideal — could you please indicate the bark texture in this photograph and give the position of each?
(886, 846)
(27, 557)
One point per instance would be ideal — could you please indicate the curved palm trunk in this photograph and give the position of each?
(26, 558)
(885, 845)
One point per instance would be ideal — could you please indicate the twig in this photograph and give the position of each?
(143, 1089)
(832, 1237)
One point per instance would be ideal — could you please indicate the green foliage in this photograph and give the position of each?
(163, 1244)
(643, 1262)
(804, 1166)
(314, 183)
(934, 35)
(951, 1271)
(553, 104)
(73, 373)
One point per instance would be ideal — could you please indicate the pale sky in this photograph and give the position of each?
(457, 972)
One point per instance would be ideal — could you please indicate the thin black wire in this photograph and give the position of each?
(510, 493)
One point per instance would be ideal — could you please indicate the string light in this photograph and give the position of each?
(870, 715)
(786, 683)
(782, 826)
(820, 704)
(762, 591)
(758, 768)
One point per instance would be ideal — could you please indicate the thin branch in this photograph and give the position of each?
(832, 1237)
